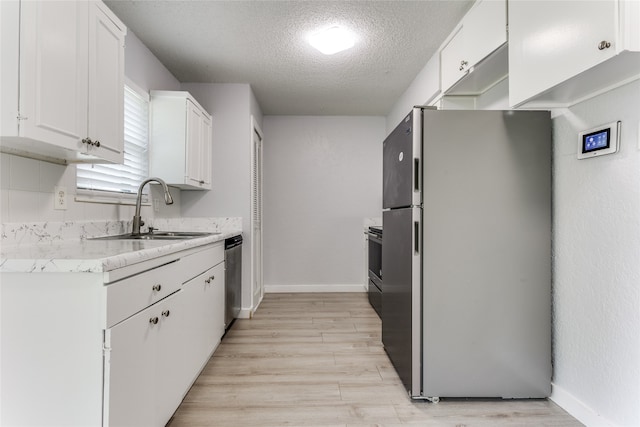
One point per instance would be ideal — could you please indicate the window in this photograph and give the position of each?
(107, 183)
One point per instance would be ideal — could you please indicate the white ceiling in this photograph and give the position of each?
(263, 43)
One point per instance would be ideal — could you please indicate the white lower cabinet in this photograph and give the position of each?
(119, 348)
(153, 357)
(144, 382)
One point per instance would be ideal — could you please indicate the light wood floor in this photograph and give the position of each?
(317, 360)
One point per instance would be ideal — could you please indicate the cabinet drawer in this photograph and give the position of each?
(196, 263)
(130, 295)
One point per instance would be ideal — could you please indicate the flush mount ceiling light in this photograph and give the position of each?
(332, 40)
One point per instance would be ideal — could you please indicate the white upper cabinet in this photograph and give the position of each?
(206, 151)
(563, 51)
(106, 84)
(483, 30)
(453, 64)
(63, 81)
(53, 72)
(180, 140)
(193, 143)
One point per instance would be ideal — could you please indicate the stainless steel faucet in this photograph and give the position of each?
(137, 220)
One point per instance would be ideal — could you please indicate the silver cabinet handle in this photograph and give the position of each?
(463, 64)
(166, 313)
(88, 141)
(604, 45)
(154, 320)
(157, 287)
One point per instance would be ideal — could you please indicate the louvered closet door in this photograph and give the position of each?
(257, 287)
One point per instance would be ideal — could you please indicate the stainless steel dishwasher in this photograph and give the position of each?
(233, 279)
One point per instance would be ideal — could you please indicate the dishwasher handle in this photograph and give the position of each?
(232, 242)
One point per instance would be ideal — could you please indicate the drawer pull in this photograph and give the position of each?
(210, 279)
(154, 320)
(166, 313)
(157, 287)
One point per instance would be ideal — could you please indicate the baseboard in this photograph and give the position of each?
(576, 408)
(245, 313)
(273, 289)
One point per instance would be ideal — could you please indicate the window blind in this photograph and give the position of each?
(117, 180)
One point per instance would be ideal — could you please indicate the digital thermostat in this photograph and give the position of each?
(599, 141)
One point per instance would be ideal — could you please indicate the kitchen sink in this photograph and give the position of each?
(159, 235)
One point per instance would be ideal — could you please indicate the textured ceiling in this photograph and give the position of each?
(263, 43)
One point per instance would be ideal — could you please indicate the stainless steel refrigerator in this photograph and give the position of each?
(466, 253)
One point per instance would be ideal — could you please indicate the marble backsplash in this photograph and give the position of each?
(47, 232)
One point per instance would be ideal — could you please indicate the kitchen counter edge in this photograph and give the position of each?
(95, 256)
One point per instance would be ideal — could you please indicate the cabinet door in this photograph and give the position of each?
(106, 85)
(144, 373)
(193, 144)
(181, 137)
(205, 168)
(131, 370)
(217, 299)
(53, 77)
(484, 29)
(452, 62)
(204, 318)
(170, 385)
(552, 41)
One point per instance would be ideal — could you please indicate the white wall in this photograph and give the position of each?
(496, 98)
(597, 264)
(424, 88)
(231, 107)
(144, 69)
(255, 109)
(322, 177)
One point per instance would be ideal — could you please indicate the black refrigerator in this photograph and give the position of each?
(466, 254)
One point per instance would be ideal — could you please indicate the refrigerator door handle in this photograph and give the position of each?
(416, 237)
(416, 174)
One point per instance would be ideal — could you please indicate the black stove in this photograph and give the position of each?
(375, 267)
(376, 229)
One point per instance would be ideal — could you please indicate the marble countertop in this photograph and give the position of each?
(81, 254)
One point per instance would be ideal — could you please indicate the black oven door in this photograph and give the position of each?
(375, 272)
